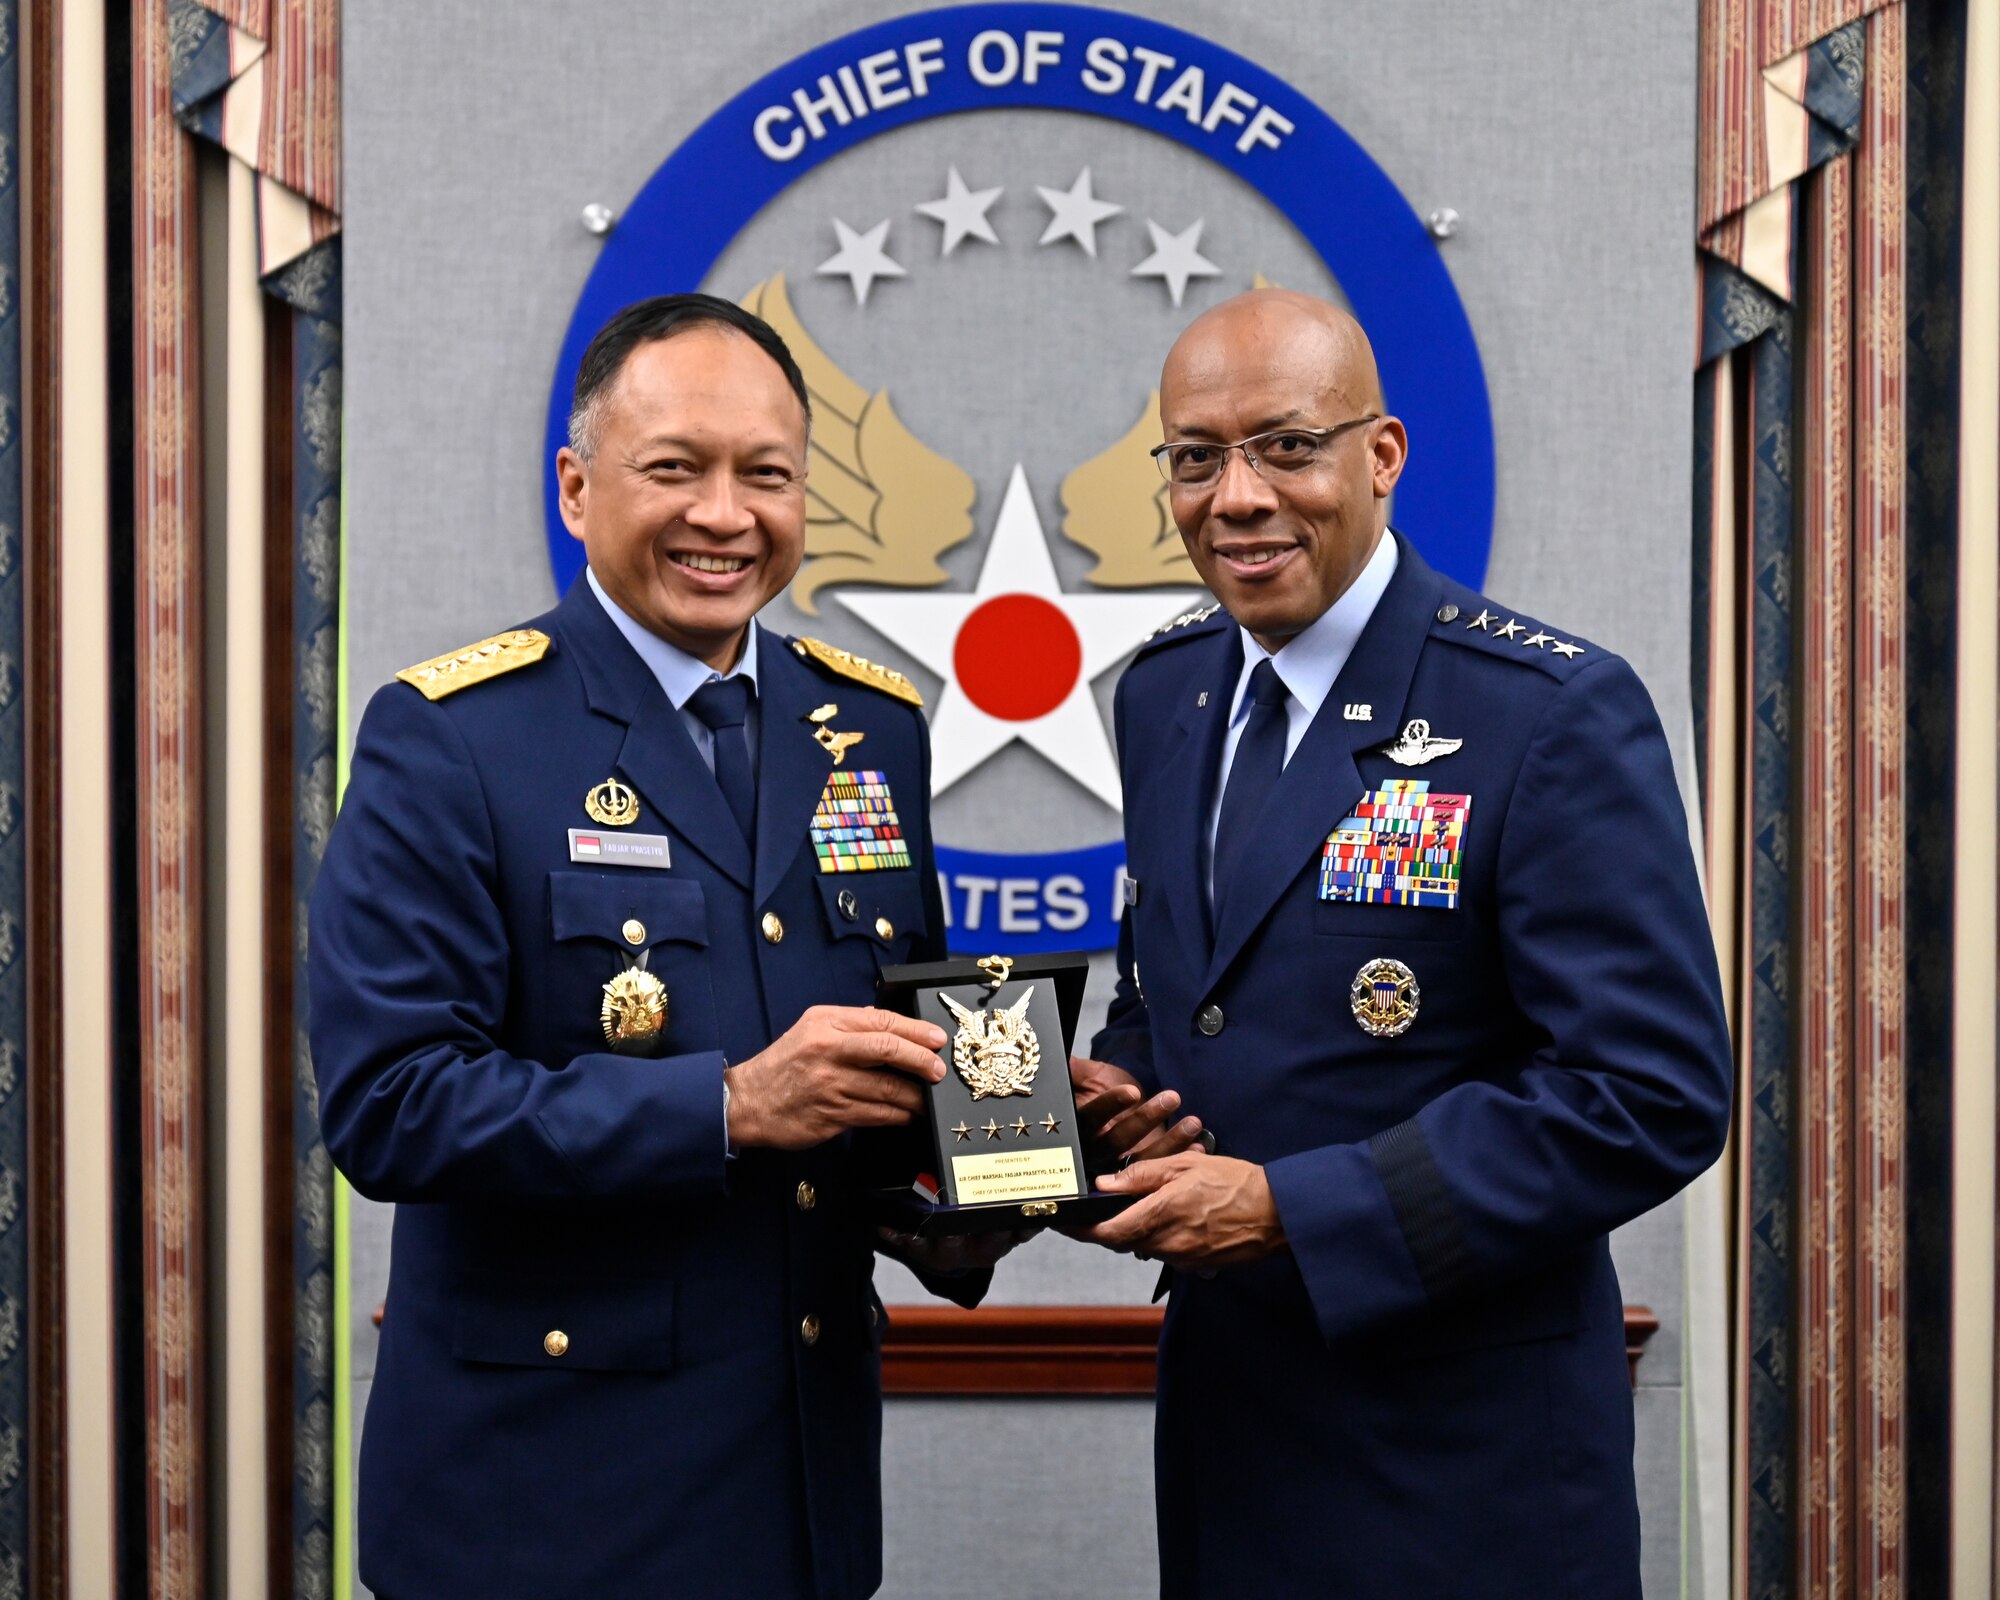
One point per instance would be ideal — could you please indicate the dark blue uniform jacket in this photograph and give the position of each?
(689, 1440)
(1425, 1393)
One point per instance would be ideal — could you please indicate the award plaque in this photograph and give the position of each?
(1000, 1145)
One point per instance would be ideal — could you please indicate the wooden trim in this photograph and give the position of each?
(48, 1429)
(1058, 1350)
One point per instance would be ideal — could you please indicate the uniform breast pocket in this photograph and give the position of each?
(572, 1325)
(872, 921)
(601, 924)
(1349, 919)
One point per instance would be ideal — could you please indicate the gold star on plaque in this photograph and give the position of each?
(1050, 1125)
(1021, 1126)
(962, 1130)
(992, 1129)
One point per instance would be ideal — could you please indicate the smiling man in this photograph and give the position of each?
(591, 971)
(1416, 929)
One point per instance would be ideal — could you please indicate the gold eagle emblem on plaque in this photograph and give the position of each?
(995, 1052)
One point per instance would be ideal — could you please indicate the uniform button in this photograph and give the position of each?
(1447, 613)
(807, 1197)
(1210, 1020)
(774, 930)
(556, 1342)
(874, 1316)
(635, 932)
(809, 1329)
(885, 930)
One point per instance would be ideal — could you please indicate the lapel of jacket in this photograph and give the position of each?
(1182, 788)
(791, 768)
(1300, 812)
(659, 756)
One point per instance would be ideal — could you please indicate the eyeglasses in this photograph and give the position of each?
(1196, 464)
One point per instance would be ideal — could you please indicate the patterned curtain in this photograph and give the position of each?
(1804, 554)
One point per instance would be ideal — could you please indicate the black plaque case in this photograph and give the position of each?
(933, 1149)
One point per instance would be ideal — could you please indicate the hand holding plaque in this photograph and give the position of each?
(1005, 1145)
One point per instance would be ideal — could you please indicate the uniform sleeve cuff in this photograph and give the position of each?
(1344, 1234)
(637, 1125)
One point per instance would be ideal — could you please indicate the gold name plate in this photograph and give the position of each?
(1014, 1175)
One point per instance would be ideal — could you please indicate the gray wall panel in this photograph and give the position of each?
(1560, 129)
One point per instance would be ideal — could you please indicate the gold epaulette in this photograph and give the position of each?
(859, 668)
(443, 675)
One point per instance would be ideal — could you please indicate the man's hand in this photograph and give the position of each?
(837, 1067)
(1200, 1212)
(1116, 1125)
(951, 1252)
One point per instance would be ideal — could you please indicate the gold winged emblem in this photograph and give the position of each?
(881, 507)
(1115, 506)
(996, 1052)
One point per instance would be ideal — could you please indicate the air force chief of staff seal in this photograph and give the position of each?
(605, 898)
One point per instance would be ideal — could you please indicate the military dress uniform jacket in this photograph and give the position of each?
(614, 1361)
(1425, 1393)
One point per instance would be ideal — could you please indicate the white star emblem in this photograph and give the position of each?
(1567, 650)
(1018, 655)
(1536, 640)
(861, 258)
(1481, 621)
(1077, 214)
(963, 212)
(1510, 630)
(1175, 258)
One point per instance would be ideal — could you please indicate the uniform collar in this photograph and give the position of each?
(1310, 661)
(678, 673)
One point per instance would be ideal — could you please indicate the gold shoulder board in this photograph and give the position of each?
(443, 675)
(859, 668)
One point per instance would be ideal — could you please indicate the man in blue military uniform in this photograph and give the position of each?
(1415, 926)
(591, 955)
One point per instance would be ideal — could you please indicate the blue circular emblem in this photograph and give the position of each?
(1280, 143)
(1109, 64)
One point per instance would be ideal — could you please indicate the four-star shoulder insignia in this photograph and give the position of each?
(1513, 631)
(447, 674)
(845, 664)
(1186, 619)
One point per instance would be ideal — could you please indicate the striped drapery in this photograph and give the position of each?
(1800, 551)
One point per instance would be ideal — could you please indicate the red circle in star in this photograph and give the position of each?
(1017, 657)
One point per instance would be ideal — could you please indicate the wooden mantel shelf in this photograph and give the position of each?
(1058, 1350)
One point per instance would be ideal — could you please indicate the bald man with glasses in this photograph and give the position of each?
(1414, 928)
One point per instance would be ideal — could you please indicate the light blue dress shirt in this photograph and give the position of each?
(680, 674)
(1307, 663)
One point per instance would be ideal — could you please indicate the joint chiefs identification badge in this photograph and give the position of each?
(1385, 998)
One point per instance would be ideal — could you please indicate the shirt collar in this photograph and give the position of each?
(1310, 661)
(679, 673)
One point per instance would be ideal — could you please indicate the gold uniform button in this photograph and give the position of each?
(774, 930)
(556, 1342)
(885, 930)
(809, 1329)
(635, 931)
(807, 1197)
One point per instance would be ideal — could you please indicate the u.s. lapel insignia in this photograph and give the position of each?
(634, 1010)
(1385, 998)
(855, 827)
(1415, 746)
(612, 805)
(834, 744)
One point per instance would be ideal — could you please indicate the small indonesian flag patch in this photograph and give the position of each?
(1400, 847)
(856, 828)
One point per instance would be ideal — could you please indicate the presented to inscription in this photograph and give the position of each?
(1014, 1175)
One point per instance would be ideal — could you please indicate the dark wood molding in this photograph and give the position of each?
(1057, 1350)
(41, 63)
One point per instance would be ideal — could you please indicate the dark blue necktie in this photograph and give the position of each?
(1260, 758)
(722, 705)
